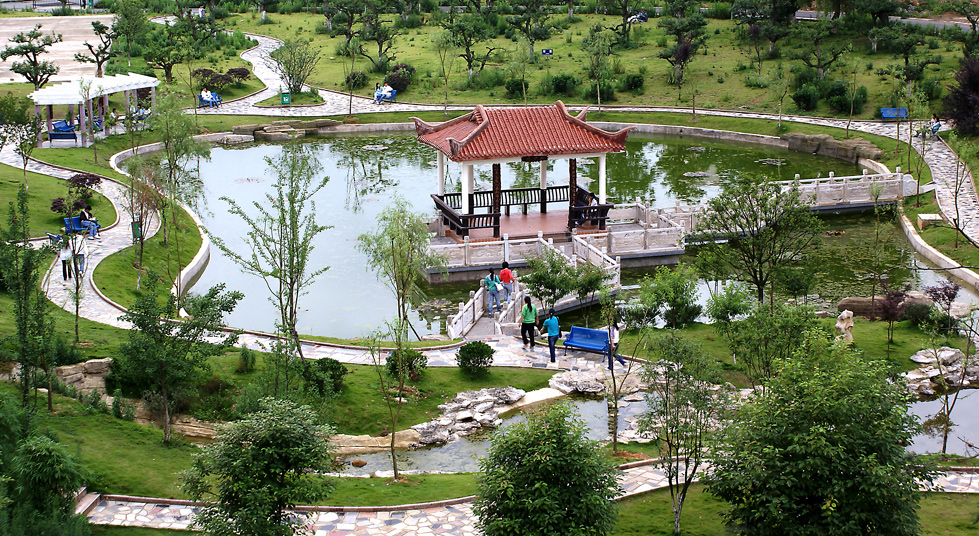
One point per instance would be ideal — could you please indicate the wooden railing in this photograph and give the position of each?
(517, 197)
(463, 223)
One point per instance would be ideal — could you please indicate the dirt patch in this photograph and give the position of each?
(635, 456)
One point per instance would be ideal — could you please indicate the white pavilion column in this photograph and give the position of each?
(467, 187)
(125, 95)
(152, 97)
(441, 164)
(82, 125)
(601, 180)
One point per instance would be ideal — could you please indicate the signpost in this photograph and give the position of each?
(547, 53)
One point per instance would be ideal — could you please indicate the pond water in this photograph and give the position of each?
(463, 455)
(965, 424)
(366, 171)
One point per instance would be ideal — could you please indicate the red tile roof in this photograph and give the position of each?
(487, 134)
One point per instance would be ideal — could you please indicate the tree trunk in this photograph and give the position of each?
(166, 415)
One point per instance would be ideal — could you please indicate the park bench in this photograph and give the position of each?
(586, 339)
(463, 223)
(62, 126)
(62, 135)
(74, 225)
(596, 215)
(215, 101)
(391, 97)
(893, 113)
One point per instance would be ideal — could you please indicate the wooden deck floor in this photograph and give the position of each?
(517, 226)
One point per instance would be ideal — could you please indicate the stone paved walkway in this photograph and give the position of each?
(454, 519)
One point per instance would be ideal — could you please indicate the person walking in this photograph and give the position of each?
(89, 222)
(66, 256)
(493, 288)
(553, 331)
(613, 349)
(81, 253)
(528, 322)
(506, 277)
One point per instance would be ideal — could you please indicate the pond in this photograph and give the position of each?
(462, 456)
(366, 171)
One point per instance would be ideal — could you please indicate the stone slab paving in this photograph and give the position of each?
(454, 519)
(74, 30)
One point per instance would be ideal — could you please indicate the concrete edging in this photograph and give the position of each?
(937, 257)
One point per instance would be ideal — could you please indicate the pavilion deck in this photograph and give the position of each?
(517, 226)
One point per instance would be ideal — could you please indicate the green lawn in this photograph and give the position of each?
(116, 274)
(942, 237)
(41, 189)
(384, 492)
(296, 99)
(718, 75)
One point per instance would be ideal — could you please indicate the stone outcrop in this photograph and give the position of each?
(593, 383)
(236, 139)
(942, 369)
(280, 130)
(468, 412)
(85, 376)
(851, 150)
(861, 305)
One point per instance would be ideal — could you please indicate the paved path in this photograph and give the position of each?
(455, 519)
(75, 31)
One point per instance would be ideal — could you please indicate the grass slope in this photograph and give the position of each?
(41, 189)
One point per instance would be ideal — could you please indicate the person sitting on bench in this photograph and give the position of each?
(207, 97)
(89, 222)
(592, 202)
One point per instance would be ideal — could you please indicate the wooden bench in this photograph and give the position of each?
(893, 113)
(586, 339)
(595, 214)
(463, 223)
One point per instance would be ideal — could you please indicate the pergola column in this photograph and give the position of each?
(440, 162)
(467, 188)
(601, 180)
(153, 97)
(125, 95)
(82, 125)
(543, 186)
(497, 189)
(50, 116)
(572, 181)
(37, 113)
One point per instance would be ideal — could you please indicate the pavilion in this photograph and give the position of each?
(494, 136)
(91, 103)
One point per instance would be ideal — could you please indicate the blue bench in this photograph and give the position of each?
(391, 97)
(215, 101)
(74, 225)
(893, 113)
(586, 339)
(62, 135)
(62, 126)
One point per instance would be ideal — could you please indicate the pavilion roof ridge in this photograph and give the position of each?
(581, 121)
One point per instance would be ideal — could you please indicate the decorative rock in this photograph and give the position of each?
(358, 463)
(483, 407)
(435, 337)
(98, 366)
(467, 412)
(463, 416)
(636, 397)
(844, 323)
(925, 357)
(245, 129)
(236, 139)
(577, 382)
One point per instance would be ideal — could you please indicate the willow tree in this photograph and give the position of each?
(281, 234)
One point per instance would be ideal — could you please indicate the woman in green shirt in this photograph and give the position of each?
(528, 321)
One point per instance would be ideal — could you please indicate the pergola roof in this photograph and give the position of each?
(499, 133)
(71, 92)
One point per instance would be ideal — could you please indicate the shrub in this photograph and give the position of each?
(356, 80)
(400, 77)
(488, 79)
(960, 103)
(411, 363)
(515, 87)
(757, 82)
(246, 360)
(632, 82)
(321, 29)
(64, 353)
(564, 84)
(326, 375)
(474, 357)
(804, 76)
(202, 77)
(220, 81)
(719, 10)
(807, 97)
(608, 91)
(238, 74)
(414, 20)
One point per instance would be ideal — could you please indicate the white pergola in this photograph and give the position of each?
(88, 90)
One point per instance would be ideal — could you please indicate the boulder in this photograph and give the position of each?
(358, 463)
(949, 356)
(236, 139)
(851, 150)
(245, 129)
(578, 382)
(98, 366)
(463, 416)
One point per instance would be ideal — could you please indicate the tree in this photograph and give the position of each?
(970, 11)
(814, 49)
(23, 266)
(294, 62)
(398, 251)
(530, 19)
(779, 87)
(470, 30)
(31, 46)
(179, 180)
(259, 469)
(675, 293)
(381, 32)
(892, 310)
(282, 232)
(392, 386)
(766, 338)
(167, 48)
(598, 47)
(962, 100)
(351, 10)
(943, 293)
(879, 10)
(46, 477)
(163, 355)
(129, 22)
(24, 137)
(585, 280)
(542, 476)
(445, 47)
(625, 9)
(686, 25)
(762, 226)
(142, 201)
(774, 17)
(517, 68)
(822, 450)
(548, 278)
(79, 191)
(684, 407)
(101, 52)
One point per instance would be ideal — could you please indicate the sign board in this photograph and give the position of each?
(547, 52)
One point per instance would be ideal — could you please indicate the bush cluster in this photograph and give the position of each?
(326, 375)
(410, 364)
(474, 357)
(400, 77)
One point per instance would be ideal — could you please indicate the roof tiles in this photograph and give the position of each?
(488, 134)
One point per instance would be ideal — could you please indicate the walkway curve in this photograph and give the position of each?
(451, 519)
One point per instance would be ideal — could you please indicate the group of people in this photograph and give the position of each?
(382, 92)
(74, 249)
(530, 316)
(931, 128)
(209, 98)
